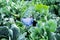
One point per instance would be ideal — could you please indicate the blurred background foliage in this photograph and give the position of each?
(45, 12)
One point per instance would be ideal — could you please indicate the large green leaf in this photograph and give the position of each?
(52, 24)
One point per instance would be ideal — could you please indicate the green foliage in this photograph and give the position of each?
(40, 7)
(41, 10)
(52, 25)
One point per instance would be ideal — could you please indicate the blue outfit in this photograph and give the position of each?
(27, 21)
